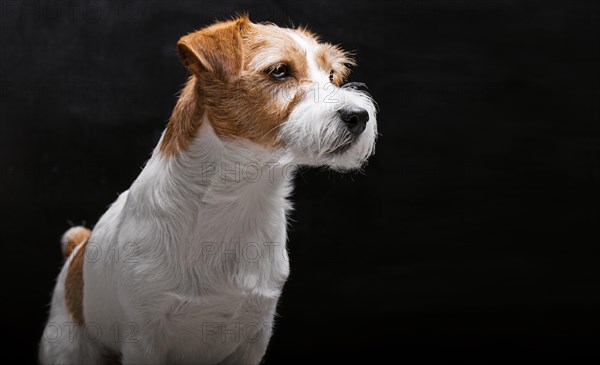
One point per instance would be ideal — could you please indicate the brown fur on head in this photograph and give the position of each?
(230, 63)
(216, 50)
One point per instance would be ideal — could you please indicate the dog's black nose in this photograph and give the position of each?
(355, 119)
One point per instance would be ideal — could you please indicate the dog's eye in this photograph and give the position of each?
(331, 76)
(279, 72)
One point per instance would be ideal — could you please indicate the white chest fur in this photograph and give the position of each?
(204, 258)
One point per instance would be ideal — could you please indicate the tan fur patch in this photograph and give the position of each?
(332, 58)
(184, 122)
(75, 236)
(74, 284)
(308, 33)
(254, 106)
(250, 112)
(266, 45)
(216, 49)
(231, 86)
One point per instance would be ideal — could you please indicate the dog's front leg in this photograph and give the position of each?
(255, 339)
(252, 349)
(138, 352)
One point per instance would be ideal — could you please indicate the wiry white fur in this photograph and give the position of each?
(186, 267)
(191, 254)
(313, 130)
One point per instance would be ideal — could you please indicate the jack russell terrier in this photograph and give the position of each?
(186, 267)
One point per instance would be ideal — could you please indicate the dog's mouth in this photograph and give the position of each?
(341, 149)
(347, 141)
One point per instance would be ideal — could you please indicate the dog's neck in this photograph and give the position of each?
(191, 165)
(228, 194)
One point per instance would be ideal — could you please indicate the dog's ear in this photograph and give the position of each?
(216, 49)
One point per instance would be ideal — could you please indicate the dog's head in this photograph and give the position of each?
(282, 89)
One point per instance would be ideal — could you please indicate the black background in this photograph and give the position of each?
(472, 235)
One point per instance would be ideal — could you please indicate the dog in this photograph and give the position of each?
(186, 267)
